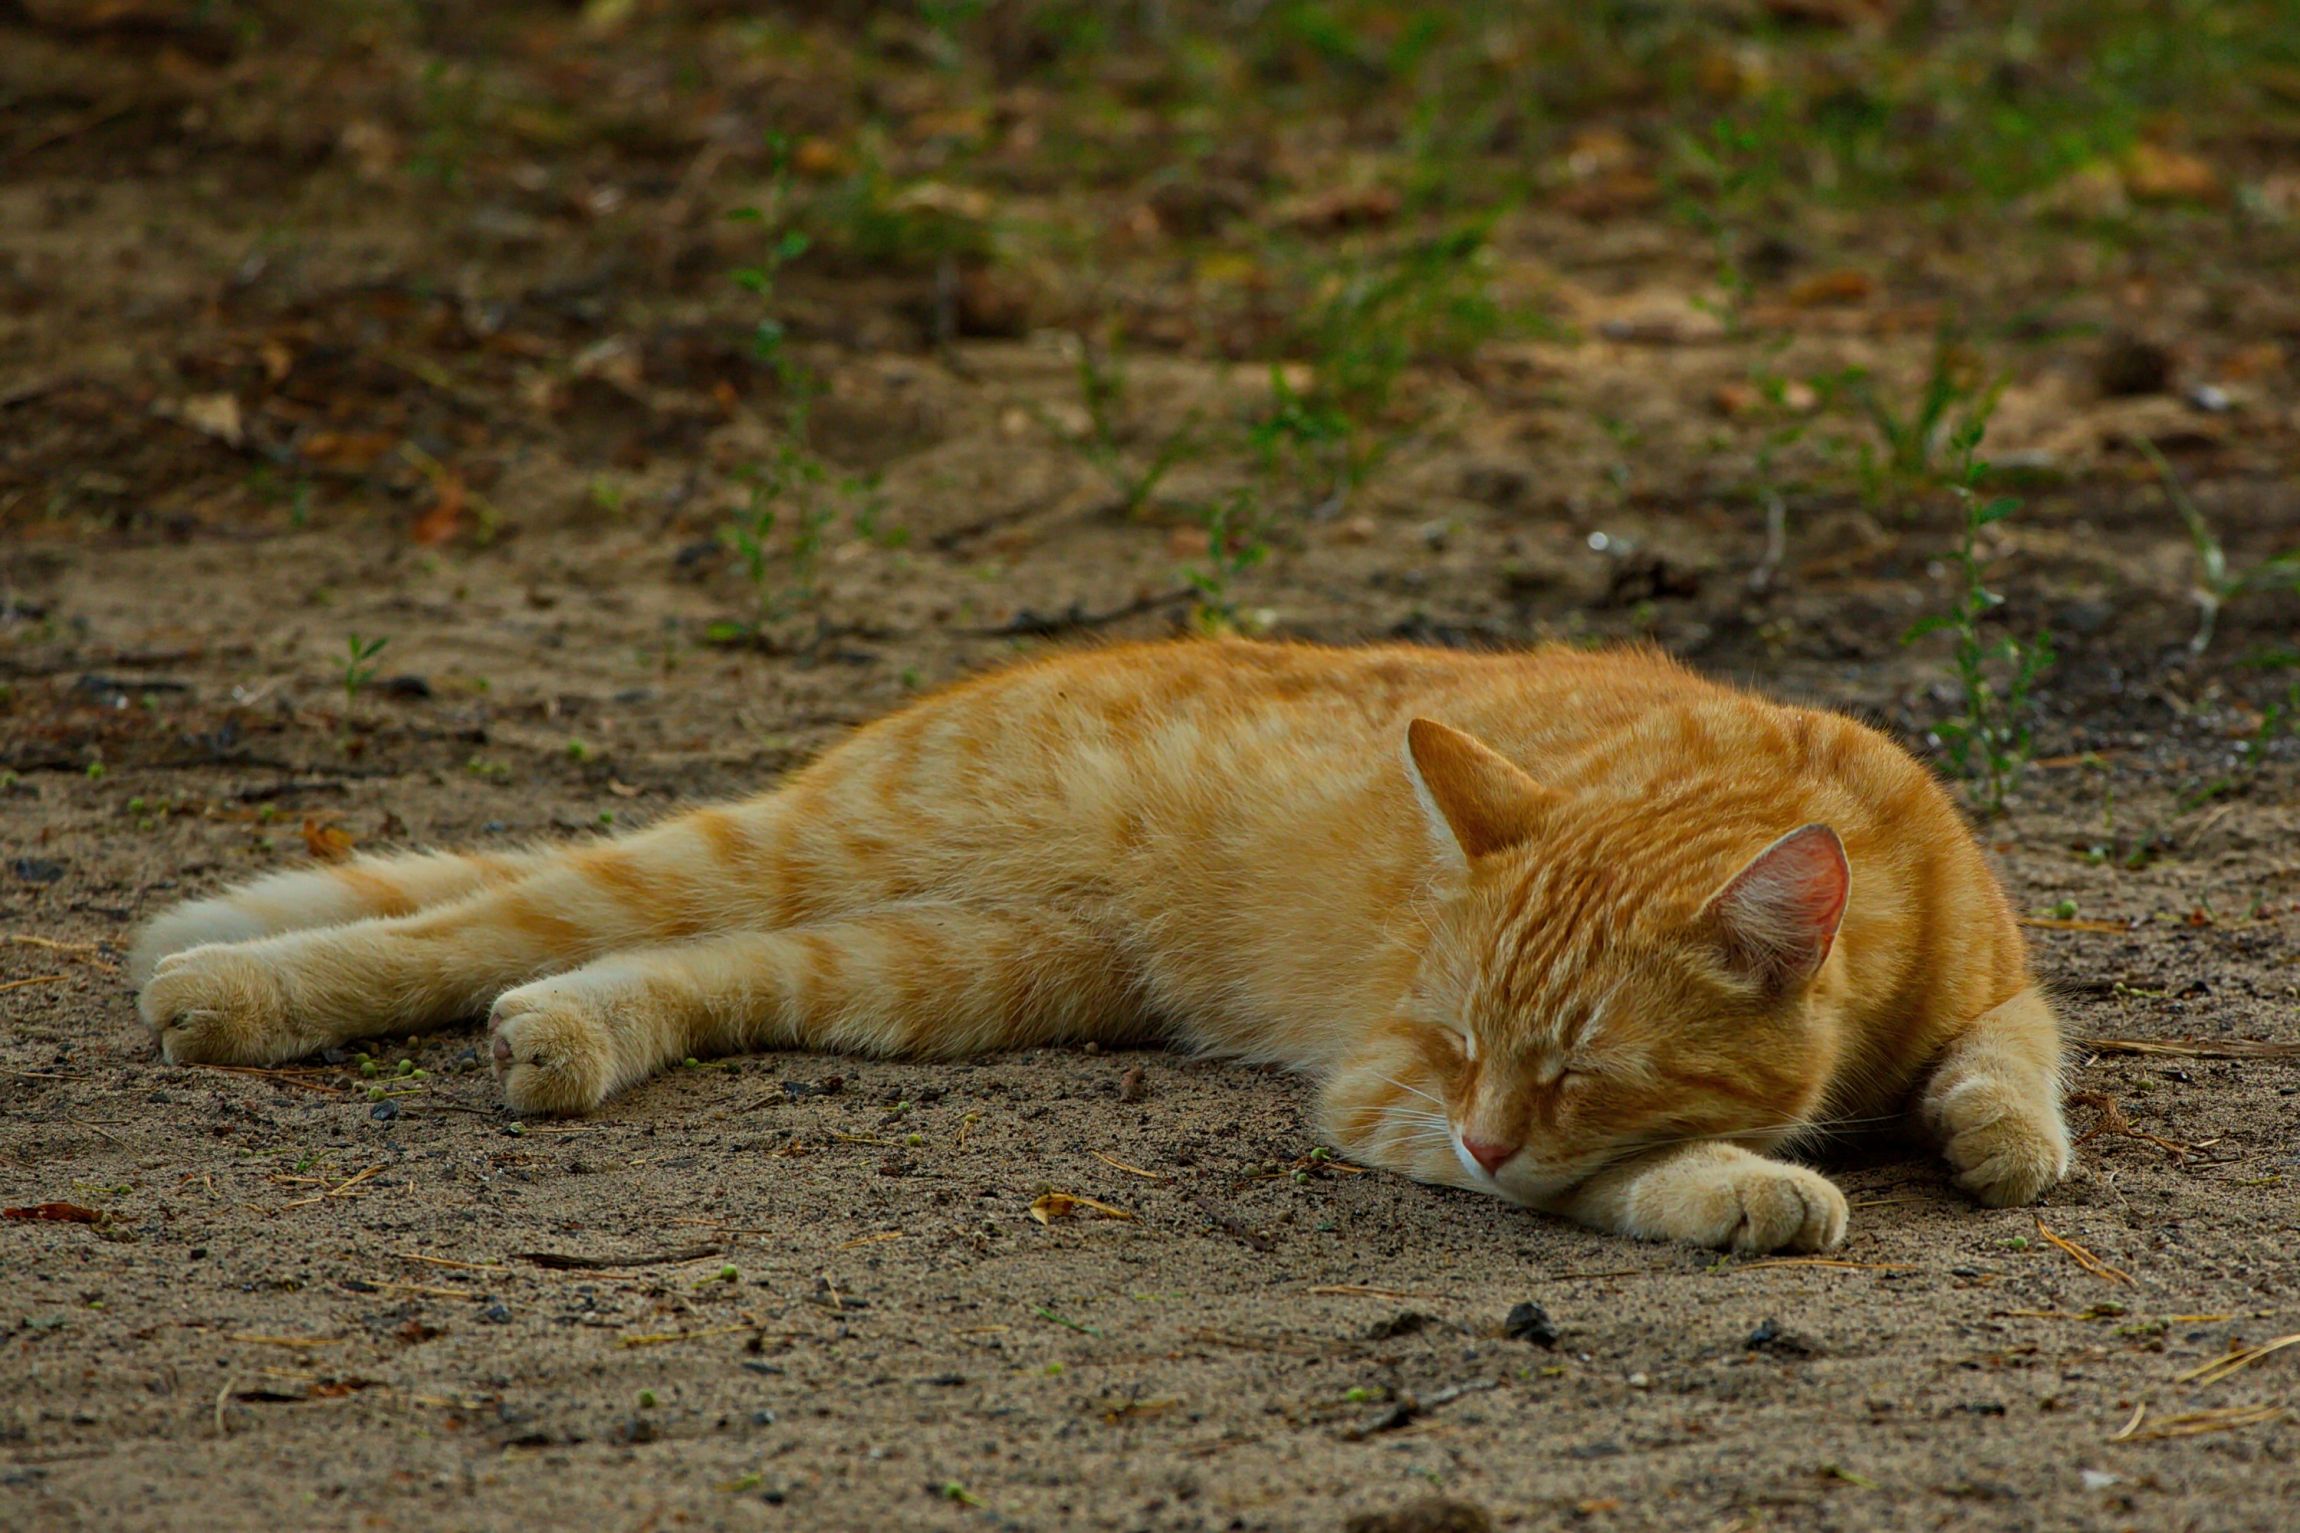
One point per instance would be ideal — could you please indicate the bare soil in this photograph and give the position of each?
(810, 1292)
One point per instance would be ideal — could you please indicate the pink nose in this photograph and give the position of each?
(1487, 1154)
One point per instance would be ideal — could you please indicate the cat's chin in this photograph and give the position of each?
(1534, 1189)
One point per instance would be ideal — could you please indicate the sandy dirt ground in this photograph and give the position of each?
(267, 392)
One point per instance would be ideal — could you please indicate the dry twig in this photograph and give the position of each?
(2084, 1258)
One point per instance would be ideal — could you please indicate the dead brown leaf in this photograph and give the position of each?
(327, 843)
(61, 1213)
(1349, 207)
(444, 519)
(351, 452)
(2153, 173)
(1050, 1206)
(1842, 286)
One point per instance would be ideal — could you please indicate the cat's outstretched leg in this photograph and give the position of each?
(1993, 1103)
(1711, 1193)
(923, 979)
(282, 996)
(302, 898)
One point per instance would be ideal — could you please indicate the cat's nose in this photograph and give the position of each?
(1488, 1154)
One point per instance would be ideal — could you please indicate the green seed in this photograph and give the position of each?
(646, 1399)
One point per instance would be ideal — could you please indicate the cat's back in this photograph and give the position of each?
(1216, 721)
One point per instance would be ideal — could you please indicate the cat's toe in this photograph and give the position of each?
(2005, 1147)
(552, 1054)
(214, 1005)
(1787, 1208)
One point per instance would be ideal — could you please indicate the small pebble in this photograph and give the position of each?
(2129, 365)
(1433, 1514)
(384, 1112)
(1529, 1322)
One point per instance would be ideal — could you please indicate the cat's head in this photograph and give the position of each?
(1605, 976)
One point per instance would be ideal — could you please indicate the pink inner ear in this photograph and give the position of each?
(1780, 913)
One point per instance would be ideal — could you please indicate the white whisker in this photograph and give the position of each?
(1416, 1090)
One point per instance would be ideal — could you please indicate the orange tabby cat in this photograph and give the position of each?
(1582, 930)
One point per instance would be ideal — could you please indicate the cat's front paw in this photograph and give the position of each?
(1750, 1206)
(552, 1050)
(217, 1005)
(2005, 1143)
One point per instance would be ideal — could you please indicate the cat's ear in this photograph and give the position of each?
(1777, 918)
(1476, 801)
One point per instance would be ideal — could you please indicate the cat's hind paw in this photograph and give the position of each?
(552, 1050)
(1749, 1205)
(2005, 1144)
(219, 1005)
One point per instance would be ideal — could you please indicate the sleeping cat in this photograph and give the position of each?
(1582, 930)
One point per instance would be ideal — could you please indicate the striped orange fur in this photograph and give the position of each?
(1583, 930)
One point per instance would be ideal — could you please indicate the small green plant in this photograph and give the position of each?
(2216, 585)
(451, 109)
(793, 500)
(2251, 753)
(1298, 432)
(1234, 545)
(768, 336)
(1725, 180)
(358, 669)
(792, 504)
(1102, 385)
(1989, 741)
(1366, 323)
(1952, 403)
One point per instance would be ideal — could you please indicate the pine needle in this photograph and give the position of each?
(2086, 1259)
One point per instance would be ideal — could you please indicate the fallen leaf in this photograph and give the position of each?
(61, 1213)
(1051, 1206)
(818, 159)
(327, 843)
(353, 452)
(1624, 191)
(444, 519)
(213, 415)
(1349, 207)
(1832, 287)
(2154, 173)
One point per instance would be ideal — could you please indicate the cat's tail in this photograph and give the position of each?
(327, 895)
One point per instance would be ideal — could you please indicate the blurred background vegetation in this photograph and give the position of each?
(1232, 313)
